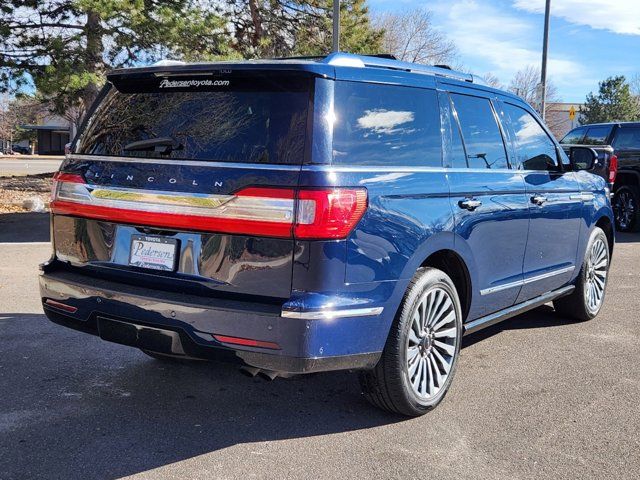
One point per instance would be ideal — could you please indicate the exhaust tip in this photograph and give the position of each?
(269, 375)
(249, 371)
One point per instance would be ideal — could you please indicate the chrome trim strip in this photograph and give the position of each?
(291, 168)
(526, 281)
(499, 288)
(190, 163)
(484, 322)
(399, 168)
(331, 314)
(585, 197)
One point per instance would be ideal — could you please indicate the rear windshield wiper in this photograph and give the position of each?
(160, 145)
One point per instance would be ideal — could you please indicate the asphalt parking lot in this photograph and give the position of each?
(28, 165)
(535, 397)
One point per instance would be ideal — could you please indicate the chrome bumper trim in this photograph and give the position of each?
(331, 314)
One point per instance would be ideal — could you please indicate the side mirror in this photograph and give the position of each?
(582, 158)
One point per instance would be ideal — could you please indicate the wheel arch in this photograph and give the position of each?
(604, 222)
(451, 263)
(626, 177)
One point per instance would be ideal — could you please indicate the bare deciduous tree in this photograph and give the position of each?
(525, 84)
(412, 37)
(492, 80)
(634, 86)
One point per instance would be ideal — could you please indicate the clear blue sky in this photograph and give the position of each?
(589, 39)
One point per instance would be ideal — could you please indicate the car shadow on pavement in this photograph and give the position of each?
(24, 227)
(627, 237)
(73, 406)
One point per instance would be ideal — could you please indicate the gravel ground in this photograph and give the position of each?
(16, 190)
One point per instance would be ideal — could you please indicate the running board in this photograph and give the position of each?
(484, 322)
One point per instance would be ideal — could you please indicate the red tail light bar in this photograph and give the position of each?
(613, 168)
(330, 213)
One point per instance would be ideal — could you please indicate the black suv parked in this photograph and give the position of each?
(618, 147)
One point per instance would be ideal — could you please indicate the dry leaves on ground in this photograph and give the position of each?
(14, 191)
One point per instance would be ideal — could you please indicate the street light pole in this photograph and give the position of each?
(545, 48)
(336, 26)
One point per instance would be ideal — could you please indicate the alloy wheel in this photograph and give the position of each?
(596, 276)
(625, 209)
(432, 343)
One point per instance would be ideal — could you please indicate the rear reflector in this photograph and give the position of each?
(247, 342)
(613, 168)
(60, 306)
(261, 211)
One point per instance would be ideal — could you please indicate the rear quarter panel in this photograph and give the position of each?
(592, 211)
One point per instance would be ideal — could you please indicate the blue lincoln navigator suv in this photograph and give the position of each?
(295, 216)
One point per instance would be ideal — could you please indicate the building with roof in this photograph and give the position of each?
(52, 134)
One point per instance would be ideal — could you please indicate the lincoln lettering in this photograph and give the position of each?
(152, 179)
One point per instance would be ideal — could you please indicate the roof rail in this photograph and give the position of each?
(165, 62)
(361, 61)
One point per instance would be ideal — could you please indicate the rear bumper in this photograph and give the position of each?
(181, 324)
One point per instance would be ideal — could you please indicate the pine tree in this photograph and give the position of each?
(614, 102)
(64, 47)
(278, 28)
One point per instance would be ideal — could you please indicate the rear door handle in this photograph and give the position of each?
(538, 199)
(469, 204)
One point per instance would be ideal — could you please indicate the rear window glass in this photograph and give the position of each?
(386, 125)
(263, 124)
(480, 132)
(574, 136)
(596, 135)
(627, 137)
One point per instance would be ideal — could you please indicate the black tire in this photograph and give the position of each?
(626, 205)
(164, 357)
(388, 384)
(576, 305)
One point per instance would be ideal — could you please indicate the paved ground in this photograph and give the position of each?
(18, 165)
(20, 228)
(537, 397)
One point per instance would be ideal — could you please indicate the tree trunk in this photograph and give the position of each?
(257, 23)
(93, 57)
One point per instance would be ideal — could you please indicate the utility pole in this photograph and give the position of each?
(336, 26)
(545, 48)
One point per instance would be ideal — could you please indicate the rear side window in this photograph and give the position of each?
(627, 137)
(386, 125)
(574, 136)
(260, 122)
(534, 149)
(480, 132)
(597, 135)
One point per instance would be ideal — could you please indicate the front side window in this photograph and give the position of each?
(480, 132)
(597, 135)
(534, 149)
(574, 136)
(386, 125)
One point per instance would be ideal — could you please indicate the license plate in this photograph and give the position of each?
(157, 253)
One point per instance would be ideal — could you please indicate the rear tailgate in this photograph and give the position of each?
(187, 184)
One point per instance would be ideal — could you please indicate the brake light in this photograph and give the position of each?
(261, 211)
(332, 213)
(613, 168)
